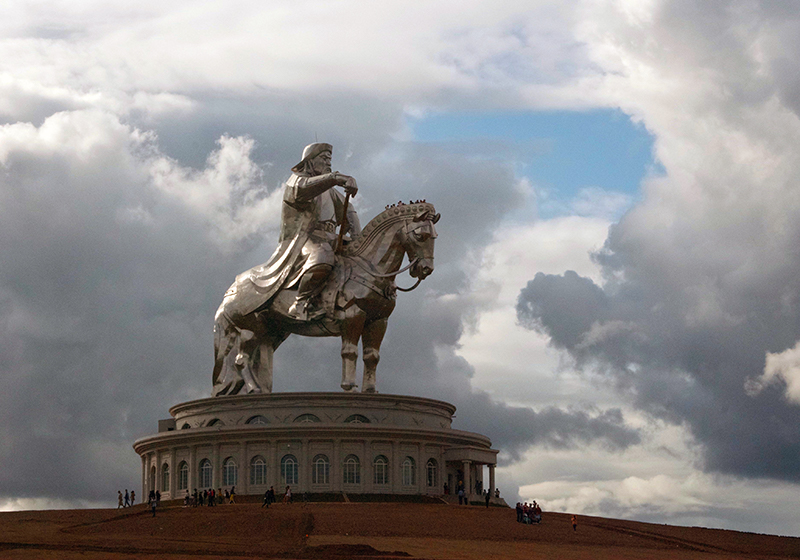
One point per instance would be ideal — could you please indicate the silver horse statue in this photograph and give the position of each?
(355, 304)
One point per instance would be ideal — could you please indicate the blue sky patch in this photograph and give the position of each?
(561, 152)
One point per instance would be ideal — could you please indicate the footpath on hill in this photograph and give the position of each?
(364, 531)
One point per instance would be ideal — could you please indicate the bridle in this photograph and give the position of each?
(358, 260)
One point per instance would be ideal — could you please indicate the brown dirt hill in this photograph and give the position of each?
(364, 531)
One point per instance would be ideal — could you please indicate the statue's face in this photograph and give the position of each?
(321, 163)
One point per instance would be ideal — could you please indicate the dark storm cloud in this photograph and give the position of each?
(643, 333)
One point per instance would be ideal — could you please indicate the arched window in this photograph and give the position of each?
(430, 470)
(165, 477)
(356, 419)
(381, 470)
(230, 472)
(185, 426)
(321, 470)
(215, 422)
(289, 470)
(408, 468)
(352, 470)
(307, 418)
(206, 470)
(183, 476)
(258, 420)
(258, 471)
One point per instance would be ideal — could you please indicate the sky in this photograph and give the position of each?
(616, 300)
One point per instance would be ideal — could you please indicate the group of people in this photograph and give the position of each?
(269, 496)
(209, 497)
(127, 501)
(529, 513)
(463, 498)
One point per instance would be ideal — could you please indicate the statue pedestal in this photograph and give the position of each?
(349, 443)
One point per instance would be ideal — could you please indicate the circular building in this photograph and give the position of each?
(349, 443)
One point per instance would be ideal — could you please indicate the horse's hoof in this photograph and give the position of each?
(349, 388)
(369, 390)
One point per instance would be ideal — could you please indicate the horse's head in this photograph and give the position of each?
(419, 237)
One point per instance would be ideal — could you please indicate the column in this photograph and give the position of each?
(336, 471)
(157, 485)
(305, 466)
(244, 468)
(216, 479)
(144, 475)
(467, 477)
(274, 468)
(491, 480)
(192, 469)
(394, 468)
(173, 475)
(366, 471)
(420, 469)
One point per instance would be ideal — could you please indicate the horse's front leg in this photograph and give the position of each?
(352, 326)
(371, 340)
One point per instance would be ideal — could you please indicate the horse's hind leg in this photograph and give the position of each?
(266, 352)
(371, 340)
(224, 379)
(352, 325)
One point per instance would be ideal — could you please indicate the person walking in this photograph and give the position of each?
(133, 497)
(153, 502)
(266, 500)
(119, 499)
(233, 495)
(488, 497)
(287, 496)
(127, 499)
(574, 522)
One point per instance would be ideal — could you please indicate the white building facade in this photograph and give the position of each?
(348, 443)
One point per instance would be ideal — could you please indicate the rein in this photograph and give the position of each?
(395, 273)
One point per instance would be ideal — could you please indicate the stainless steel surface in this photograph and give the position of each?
(305, 288)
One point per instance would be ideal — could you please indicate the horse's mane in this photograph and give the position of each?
(393, 214)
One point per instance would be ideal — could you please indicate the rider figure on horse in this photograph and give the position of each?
(312, 210)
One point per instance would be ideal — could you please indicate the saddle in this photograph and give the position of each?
(329, 304)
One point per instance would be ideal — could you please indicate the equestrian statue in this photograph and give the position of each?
(319, 282)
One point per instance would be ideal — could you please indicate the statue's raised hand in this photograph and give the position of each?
(350, 186)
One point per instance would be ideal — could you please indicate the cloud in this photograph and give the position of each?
(700, 277)
(107, 290)
(780, 367)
